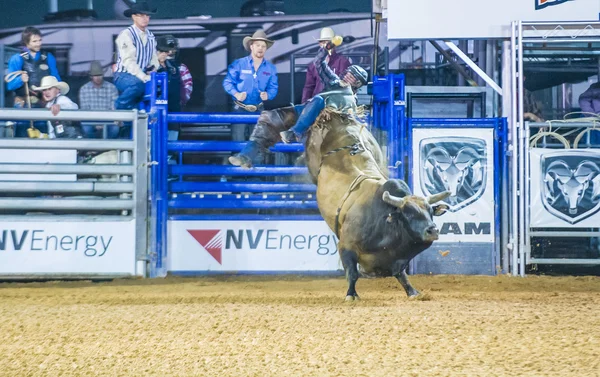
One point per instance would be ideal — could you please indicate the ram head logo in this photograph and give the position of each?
(571, 185)
(455, 164)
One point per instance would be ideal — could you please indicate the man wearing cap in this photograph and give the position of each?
(252, 79)
(337, 62)
(180, 81)
(98, 94)
(54, 94)
(136, 48)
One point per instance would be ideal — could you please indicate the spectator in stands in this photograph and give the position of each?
(251, 80)
(98, 94)
(54, 94)
(29, 67)
(337, 62)
(589, 101)
(180, 82)
(137, 57)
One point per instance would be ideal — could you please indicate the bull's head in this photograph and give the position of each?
(571, 184)
(418, 213)
(453, 169)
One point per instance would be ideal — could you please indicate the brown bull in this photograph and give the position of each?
(381, 226)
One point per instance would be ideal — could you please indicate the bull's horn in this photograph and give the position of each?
(393, 200)
(438, 197)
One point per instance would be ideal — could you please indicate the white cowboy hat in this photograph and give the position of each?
(327, 34)
(51, 82)
(258, 35)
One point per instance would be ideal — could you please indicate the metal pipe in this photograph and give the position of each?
(65, 169)
(236, 204)
(564, 261)
(52, 6)
(226, 146)
(522, 148)
(85, 144)
(474, 67)
(27, 186)
(65, 204)
(90, 4)
(513, 238)
(564, 234)
(292, 78)
(44, 114)
(507, 65)
(459, 68)
(240, 187)
(234, 170)
(212, 118)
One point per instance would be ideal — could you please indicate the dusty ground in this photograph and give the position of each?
(291, 326)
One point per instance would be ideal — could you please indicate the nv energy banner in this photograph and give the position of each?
(57, 247)
(460, 161)
(565, 188)
(252, 246)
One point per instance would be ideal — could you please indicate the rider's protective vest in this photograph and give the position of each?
(35, 69)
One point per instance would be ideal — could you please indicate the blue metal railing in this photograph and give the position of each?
(192, 190)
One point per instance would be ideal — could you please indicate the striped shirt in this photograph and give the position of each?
(187, 84)
(137, 51)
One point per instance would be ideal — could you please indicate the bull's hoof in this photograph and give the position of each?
(240, 160)
(414, 293)
(352, 298)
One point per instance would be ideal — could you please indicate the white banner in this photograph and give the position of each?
(460, 160)
(565, 188)
(252, 246)
(67, 247)
(468, 19)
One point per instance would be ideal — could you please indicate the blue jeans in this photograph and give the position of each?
(308, 114)
(90, 131)
(131, 91)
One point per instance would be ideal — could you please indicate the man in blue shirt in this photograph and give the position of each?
(34, 62)
(251, 80)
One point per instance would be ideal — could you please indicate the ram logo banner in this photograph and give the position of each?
(571, 185)
(455, 164)
(541, 4)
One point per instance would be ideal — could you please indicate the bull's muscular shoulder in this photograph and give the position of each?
(395, 187)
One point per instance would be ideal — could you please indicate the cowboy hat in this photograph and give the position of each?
(51, 82)
(327, 34)
(139, 8)
(258, 35)
(96, 69)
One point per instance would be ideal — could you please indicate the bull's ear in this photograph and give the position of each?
(440, 209)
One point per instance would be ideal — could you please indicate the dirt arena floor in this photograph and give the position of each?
(301, 326)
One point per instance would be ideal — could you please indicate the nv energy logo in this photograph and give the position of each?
(214, 241)
(211, 241)
(541, 4)
(571, 184)
(455, 164)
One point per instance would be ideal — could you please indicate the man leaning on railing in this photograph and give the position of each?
(54, 95)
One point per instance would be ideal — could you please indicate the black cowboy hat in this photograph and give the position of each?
(139, 8)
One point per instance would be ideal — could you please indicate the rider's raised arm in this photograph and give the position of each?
(323, 70)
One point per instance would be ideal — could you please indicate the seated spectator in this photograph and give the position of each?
(54, 95)
(337, 62)
(180, 82)
(589, 101)
(98, 94)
